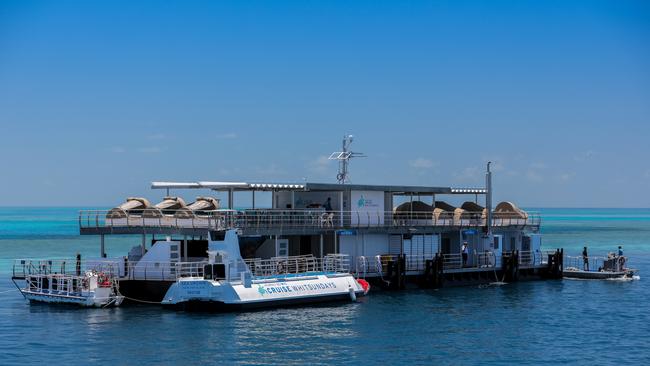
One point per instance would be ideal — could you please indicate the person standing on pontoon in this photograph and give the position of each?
(585, 258)
(465, 253)
(620, 251)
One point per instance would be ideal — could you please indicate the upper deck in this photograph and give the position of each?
(307, 208)
(270, 222)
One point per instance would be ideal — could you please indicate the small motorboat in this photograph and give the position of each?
(596, 268)
(89, 289)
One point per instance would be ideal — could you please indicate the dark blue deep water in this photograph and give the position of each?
(546, 322)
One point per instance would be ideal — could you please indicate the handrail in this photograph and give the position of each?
(596, 263)
(71, 266)
(290, 219)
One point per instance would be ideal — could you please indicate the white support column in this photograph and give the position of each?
(488, 199)
(276, 246)
(230, 199)
(340, 210)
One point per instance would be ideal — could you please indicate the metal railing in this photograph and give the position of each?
(291, 219)
(277, 267)
(474, 260)
(331, 263)
(28, 267)
(595, 263)
(378, 264)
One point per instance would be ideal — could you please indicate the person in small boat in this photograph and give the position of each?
(585, 258)
(465, 253)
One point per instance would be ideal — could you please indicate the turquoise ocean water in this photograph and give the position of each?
(544, 322)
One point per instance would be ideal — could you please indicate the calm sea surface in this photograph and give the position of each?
(546, 322)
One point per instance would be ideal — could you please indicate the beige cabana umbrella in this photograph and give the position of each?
(473, 209)
(133, 205)
(169, 205)
(414, 209)
(508, 210)
(201, 205)
(445, 211)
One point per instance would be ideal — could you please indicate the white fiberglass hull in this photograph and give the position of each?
(263, 292)
(597, 275)
(90, 299)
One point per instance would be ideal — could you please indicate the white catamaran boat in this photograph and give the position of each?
(227, 282)
(47, 281)
(598, 268)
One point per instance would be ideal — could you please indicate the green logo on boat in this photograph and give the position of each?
(361, 202)
(261, 290)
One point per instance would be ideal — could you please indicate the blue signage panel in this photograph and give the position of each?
(347, 232)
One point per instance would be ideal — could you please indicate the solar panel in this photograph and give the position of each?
(340, 155)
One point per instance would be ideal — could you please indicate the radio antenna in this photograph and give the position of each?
(344, 159)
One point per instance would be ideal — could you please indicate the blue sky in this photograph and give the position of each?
(99, 98)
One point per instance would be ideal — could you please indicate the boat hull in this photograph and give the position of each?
(144, 291)
(84, 301)
(593, 275)
(214, 295)
(216, 306)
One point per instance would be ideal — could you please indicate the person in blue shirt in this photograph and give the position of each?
(620, 251)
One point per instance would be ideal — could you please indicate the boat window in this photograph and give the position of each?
(217, 235)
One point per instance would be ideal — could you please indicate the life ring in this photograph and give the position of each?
(364, 285)
(103, 280)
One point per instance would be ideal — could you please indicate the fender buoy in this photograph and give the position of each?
(364, 285)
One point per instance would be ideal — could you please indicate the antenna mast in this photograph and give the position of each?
(344, 159)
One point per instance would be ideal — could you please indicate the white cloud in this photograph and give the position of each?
(422, 163)
(533, 176)
(227, 136)
(584, 156)
(511, 173)
(150, 150)
(565, 177)
(471, 173)
(271, 171)
(320, 165)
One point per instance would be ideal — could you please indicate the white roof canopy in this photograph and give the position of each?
(243, 186)
(226, 186)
